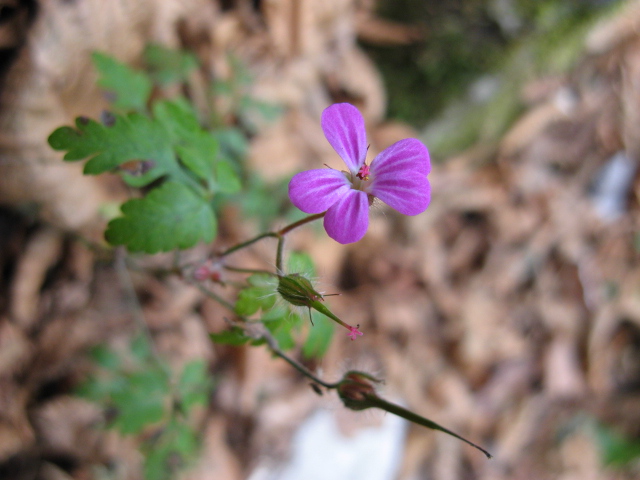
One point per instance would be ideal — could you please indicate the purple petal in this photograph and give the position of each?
(400, 176)
(314, 191)
(348, 219)
(408, 155)
(343, 126)
(408, 195)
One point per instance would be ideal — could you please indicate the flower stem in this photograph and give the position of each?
(275, 349)
(242, 245)
(279, 254)
(249, 270)
(282, 232)
(217, 298)
(275, 234)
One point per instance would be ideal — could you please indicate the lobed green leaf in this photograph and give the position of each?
(235, 337)
(168, 66)
(169, 217)
(129, 88)
(130, 137)
(194, 384)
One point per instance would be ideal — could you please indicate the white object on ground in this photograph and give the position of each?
(321, 451)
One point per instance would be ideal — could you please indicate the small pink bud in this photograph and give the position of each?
(209, 270)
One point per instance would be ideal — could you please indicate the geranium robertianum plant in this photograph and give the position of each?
(190, 171)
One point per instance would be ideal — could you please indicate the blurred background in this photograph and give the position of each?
(508, 312)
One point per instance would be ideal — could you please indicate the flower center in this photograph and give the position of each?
(364, 173)
(361, 180)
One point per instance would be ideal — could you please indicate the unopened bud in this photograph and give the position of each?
(297, 290)
(209, 270)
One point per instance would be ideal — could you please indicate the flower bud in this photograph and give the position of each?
(209, 270)
(297, 290)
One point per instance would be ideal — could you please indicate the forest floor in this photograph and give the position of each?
(509, 311)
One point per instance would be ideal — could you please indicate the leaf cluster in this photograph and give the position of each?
(139, 392)
(187, 163)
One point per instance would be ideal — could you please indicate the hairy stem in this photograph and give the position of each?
(248, 270)
(275, 234)
(273, 346)
(242, 245)
(217, 298)
(282, 232)
(279, 254)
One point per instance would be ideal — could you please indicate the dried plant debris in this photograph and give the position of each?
(510, 310)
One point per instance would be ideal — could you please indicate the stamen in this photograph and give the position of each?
(364, 172)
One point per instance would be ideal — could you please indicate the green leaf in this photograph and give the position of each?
(233, 143)
(185, 440)
(197, 148)
(141, 348)
(301, 262)
(100, 390)
(235, 336)
(131, 137)
(616, 450)
(135, 417)
(156, 465)
(194, 384)
(277, 313)
(281, 327)
(171, 216)
(172, 450)
(199, 155)
(260, 295)
(320, 335)
(142, 403)
(178, 117)
(227, 180)
(247, 303)
(130, 88)
(262, 280)
(105, 357)
(168, 66)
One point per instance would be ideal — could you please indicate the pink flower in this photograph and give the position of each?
(397, 176)
(354, 332)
